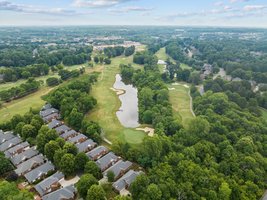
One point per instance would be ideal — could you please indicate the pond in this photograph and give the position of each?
(128, 112)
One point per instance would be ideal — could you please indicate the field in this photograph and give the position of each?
(264, 113)
(180, 100)
(22, 105)
(109, 103)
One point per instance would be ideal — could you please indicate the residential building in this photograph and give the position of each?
(69, 134)
(47, 112)
(54, 124)
(119, 169)
(97, 153)
(107, 161)
(22, 157)
(10, 143)
(16, 149)
(66, 193)
(5, 136)
(39, 172)
(86, 146)
(62, 129)
(78, 139)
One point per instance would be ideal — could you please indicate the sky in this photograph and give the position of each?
(234, 13)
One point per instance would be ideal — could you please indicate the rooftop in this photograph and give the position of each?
(5, 137)
(63, 193)
(107, 160)
(88, 144)
(68, 134)
(62, 129)
(10, 143)
(54, 123)
(77, 138)
(95, 152)
(39, 172)
(119, 168)
(47, 112)
(29, 153)
(29, 164)
(10, 152)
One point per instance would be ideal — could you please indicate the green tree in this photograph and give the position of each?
(111, 176)
(28, 131)
(70, 148)
(58, 156)
(224, 191)
(67, 164)
(50, 149)
(96, 192)
(75, 119)
(153, 192)
(84, 184)
(5, 165)
(92, 168)
(80, 161)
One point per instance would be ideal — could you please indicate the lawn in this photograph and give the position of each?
(108, 103)
(22, 105)
(264, 113)
(9, 85)
(180, 101)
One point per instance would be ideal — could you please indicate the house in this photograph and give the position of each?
(30, 164)
(69, 134)
(206, 71)
(49, 184)
(119, 169)
(27, 154)
(44, 113)
(46, 106)
(86, 146)
(10, 143)
(62, 129)
(97, 153)
(126, 180)
(78, 139)
(54, 124)
(236, 79)
(5, 137)
(39, 172)
(49, 118)
(161, 62)
(66, 193)
(16, 149)
(107, 161)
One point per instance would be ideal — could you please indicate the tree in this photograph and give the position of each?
(5, 165)
(10, 191)
(75, 119)
(58, 157)
(84, 184)
(50, 149)
(96, 59)
(92, 168)
(224, 191)
(111, 176)
(44, 136)
(96, 192)
(28, 131)
(153, 192)
(107, 61)
(52, 81)
(70, 148)
(18, 129)
(80, 161)
(67, 164)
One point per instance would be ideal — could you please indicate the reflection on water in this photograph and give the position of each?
(128, 112)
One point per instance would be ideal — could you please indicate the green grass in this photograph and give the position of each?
(22, 105)
(9, 85)
(180, 101)
(108, 103)
(264, 113)
(185, 66)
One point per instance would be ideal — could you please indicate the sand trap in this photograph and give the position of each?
(118, 91)
(171, 88)
(186, 86)
(148, 130)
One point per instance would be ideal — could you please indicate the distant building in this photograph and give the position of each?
(119, 169)
(86, 146)
(107, 161)
(39, 172)
(66, 193)
(97, 153)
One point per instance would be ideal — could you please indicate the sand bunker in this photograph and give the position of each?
(118, 91)
(148, 130)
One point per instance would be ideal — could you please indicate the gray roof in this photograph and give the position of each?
(47, 112)
(61, 194)
(5, 137)
(77, 138)
(25, 166)
(10, 143)
(54, 123)
(68, 134)
(29, 153)
(107, 160)
(39, 172)
(62, 129)
(46, 184)
(96, 151)
(119, 168)
(46, 106)
(88, 144)
(12, 151)
(126, 180)
(52, 116)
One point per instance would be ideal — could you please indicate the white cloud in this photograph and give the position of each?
(235, 1)
(219, 3)
(254, 7)
(98, 3)
(130, 9)
(9, 6)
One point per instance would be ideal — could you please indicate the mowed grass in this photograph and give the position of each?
(264, 113)
(9, 85)
(108, 103)
(22, 105)
(180, 101)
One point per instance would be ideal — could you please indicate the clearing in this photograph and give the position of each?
(108, 103)
(181, 102)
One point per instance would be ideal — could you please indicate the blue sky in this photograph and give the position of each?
(245, 13)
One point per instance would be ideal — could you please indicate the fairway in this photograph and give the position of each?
(22, 105)
(264, 113)
(108, 103)
(180, 100)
